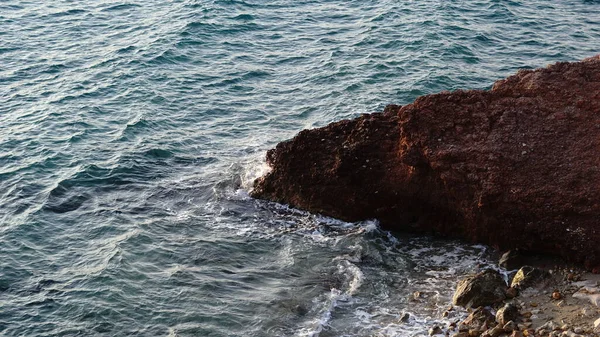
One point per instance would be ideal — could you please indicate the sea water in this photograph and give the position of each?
(130, 133)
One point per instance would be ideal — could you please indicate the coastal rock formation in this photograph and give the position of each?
(517, 166)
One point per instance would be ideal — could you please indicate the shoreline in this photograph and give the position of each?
(565, 303)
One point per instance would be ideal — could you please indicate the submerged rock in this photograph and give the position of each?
(485, 288)
(516, 166)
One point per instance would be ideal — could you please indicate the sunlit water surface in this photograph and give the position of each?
(130, 133)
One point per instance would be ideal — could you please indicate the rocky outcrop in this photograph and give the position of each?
(517, 166)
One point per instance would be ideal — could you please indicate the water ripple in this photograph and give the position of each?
(131, 132)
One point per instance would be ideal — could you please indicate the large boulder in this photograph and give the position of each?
(483, 289)
(517, 166)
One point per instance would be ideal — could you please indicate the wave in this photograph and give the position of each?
(120, 7)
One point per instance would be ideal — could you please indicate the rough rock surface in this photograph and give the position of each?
(485, 288)
(509, 312)
(528, 276)
(517, 166)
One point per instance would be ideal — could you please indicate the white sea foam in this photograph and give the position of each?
(316, 326)
(253, 168)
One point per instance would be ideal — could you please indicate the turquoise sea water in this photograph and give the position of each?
(130, 133)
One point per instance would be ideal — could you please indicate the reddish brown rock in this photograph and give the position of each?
(517, 166)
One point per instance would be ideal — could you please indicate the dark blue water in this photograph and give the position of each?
(130, 133)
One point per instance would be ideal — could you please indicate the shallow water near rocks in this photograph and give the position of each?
(130, 133)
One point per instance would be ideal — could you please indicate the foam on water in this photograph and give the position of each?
(131, 132)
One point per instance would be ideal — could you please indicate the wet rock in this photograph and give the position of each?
(516, 166)
(449, 313)
(509, 312)
(436, 330)
(482, 289)
(528, 276)
(511, 260)
(416, 295)
(405, 317)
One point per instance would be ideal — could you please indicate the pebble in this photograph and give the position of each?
(556, 295)
(528, 332)
(416, 295)
(436, 330)
(548, 326)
